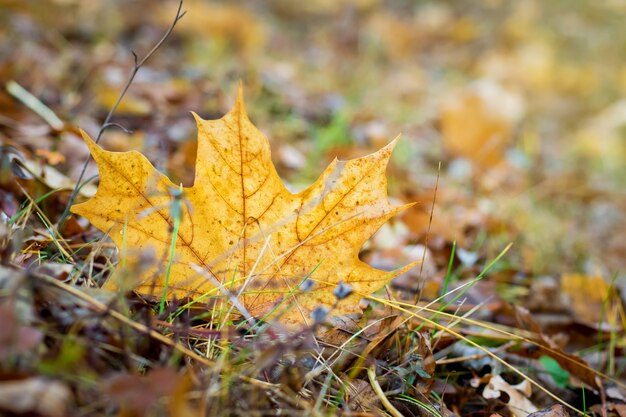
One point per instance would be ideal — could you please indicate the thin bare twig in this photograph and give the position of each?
(107, 121)
(119, 126)
(430, 222)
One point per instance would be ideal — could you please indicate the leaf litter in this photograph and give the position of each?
(530, 153)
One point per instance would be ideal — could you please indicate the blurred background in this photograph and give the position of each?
(517, 110)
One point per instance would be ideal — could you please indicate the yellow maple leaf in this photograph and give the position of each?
(240, 228)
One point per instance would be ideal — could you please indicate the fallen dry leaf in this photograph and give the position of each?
(556, 410)
(361, 396)
(226, 25)
(478, 123)
(571, 363)
(590, 299)
(240, 227)
(54, 179)
(15, 337)
(35, 395)
(519, 404)
(136, 395)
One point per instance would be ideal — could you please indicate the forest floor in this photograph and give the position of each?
(511, 119)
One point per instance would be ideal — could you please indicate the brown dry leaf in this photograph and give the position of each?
(132, 104)
(36, 395)
(240, 227)
(519, 404)
(136, 395)
(556, 410)
(478, 123)
(573, 364)
(360, 396)
(229, 26)
(179, 404)
(15, 338)
(590, 300)
(398, 36)
(321, 7)
(54, 179)
(620, 409)
(51, 157)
